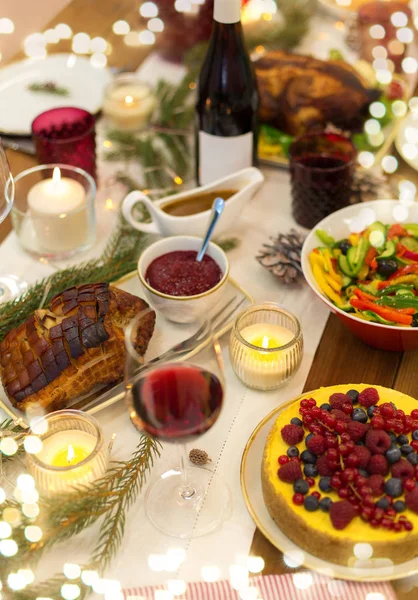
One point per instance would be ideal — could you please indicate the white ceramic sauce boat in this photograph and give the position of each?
(246, 182)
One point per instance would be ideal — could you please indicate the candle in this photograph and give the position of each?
(265, 354)
(73, 452)
(58, 208)
(128, 103)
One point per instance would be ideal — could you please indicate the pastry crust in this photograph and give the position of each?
(62, 352)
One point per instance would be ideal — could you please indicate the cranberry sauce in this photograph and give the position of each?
(179, 274)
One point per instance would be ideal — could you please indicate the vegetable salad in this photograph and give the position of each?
(373, 274)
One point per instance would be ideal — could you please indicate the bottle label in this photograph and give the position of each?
(222, 156)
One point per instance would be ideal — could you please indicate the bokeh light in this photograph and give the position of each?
(389, 164)
(121, 27)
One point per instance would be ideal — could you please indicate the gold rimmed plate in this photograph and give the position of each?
(250, 477)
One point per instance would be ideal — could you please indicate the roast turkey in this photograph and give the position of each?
(62, 352)
(299, 93)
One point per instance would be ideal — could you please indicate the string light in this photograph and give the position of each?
(64, 31)
(8, 446)
(33, 444)
(33, 533)
(72, 571)
(148, 9)
(389, 164)
(146, 37)
(98, 44)
(70, 591)
(399, 19)
(6, 25)
(8, 548)
(81, 43)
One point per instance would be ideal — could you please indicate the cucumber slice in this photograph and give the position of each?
(375, 317)
(407, 293)
(410, 243)
(389, 251)
(345, 267)
(346, 307)
(346, 281)
(324, 237)
(356, 256)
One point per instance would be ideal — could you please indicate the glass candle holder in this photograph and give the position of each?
(66, 135)
(128, 103)
(53, 212)
(74, 452)
(266, 346)
(321, 167)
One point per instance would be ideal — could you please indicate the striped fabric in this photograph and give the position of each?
(292, 586)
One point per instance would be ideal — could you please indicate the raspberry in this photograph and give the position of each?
(377, 441)
(337, 400)
(340, 415)
(368, 397)
(290, 472)
(317, 444)
(378, 465)
(324, 467)
(375, 482)
(402, 469)
(411, 499)
(292, 434)
(342, 513)
(356, 430)
(363, 454)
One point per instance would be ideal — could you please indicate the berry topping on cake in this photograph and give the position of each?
(290, 472)
(292, 434)
(317, 444)
(377, 441)
(342, 513)
(368, 397)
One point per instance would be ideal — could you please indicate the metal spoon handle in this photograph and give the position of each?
(217, 209)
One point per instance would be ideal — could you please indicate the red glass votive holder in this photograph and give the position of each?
(322, 167)
(66, 135)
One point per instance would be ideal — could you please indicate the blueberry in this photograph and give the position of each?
(311, 503)
(308, 457)
(393, 437)
(399, 505)
(325, 504)
(292, 451)
(353, 395)
(325, 484)
(326, 406)
(412, 457)
(370, 411)
(363, 472)
(415, 434)
(308, 437)
(301, 486)
(359, 415)
(344, 246)
(383, 503)
(402, 439)
(310, 470)
(296, 421)
(393, 487)
(393, 455)
(406, 449)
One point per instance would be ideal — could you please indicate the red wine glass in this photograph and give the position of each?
(176, 402)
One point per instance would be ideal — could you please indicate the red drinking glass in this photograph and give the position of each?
(322, 167)
(66, 135)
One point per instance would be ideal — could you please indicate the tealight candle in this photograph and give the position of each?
(266, 346)
(128, 103)
(57, 207)
(73, 452)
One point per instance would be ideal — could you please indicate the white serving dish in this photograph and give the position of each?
(182, 309)
(247, 182)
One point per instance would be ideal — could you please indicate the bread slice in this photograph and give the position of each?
(62, 352)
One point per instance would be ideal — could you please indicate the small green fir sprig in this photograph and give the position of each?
(49, 87)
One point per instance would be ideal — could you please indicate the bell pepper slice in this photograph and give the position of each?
(409, 278)
(331, 281)
(391, 289)
(389, 314)
(371, 254)
(329, 267)
(364, 295)
(404, 304)
(410, 255)
(396, 230)
(404, 271)
(324, 285)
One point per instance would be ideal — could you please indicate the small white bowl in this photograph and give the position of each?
(182, 309)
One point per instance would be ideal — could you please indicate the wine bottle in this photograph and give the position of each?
(227, 103)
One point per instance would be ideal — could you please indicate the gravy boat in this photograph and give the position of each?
(246, 182)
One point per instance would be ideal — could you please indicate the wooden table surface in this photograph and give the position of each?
(340, 357)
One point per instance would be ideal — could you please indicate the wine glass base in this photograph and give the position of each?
(191, 517)
(11, 287)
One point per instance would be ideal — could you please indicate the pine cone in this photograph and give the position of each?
(198, 457)
(283, 257)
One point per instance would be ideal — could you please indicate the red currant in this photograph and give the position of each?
(283, 459)
(377, 422)
(316, 494)
(387, 523)
(414, 413)
(389, 499)
(368, 501)
(398, 427)
(344, 449)
(397, 526)
(298, 499)
(408, 525)
(340, 426)
(347, 408)
(332, 454)
(373, 523)
(365, 491)
(400, 414)
(366, 513)
(343, 492)
(391, 512)
(390, 424)
(311, 402)
(335, 482)
(349, 474)
(352, 460)
(408, 423)
(330, 420)
(305, 404)
(376, 411)
(308, 419)
(414, 444)
(310, 481)
(360, 481)
(316, 411)
(345, 437)
(387, 410)
(409, 485)
(331, 442)
(378, 514)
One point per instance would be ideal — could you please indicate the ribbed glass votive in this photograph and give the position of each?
(74, 452)
(266, 346)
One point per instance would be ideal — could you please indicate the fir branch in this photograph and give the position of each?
(48, 87)
(228, 244)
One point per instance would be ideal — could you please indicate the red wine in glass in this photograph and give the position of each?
(177, 402)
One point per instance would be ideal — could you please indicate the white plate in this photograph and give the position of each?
(19, 106)
(405, 136)
(253, 497)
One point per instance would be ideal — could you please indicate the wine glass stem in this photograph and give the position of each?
(186, 490)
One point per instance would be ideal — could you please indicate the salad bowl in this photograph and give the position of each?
(339, 225)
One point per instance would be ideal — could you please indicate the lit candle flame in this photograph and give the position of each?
(265, 342)
(70, 454)
(129, 100)
(56, 175)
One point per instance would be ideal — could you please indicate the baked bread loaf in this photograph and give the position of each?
(299, 93)
(62, 352)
